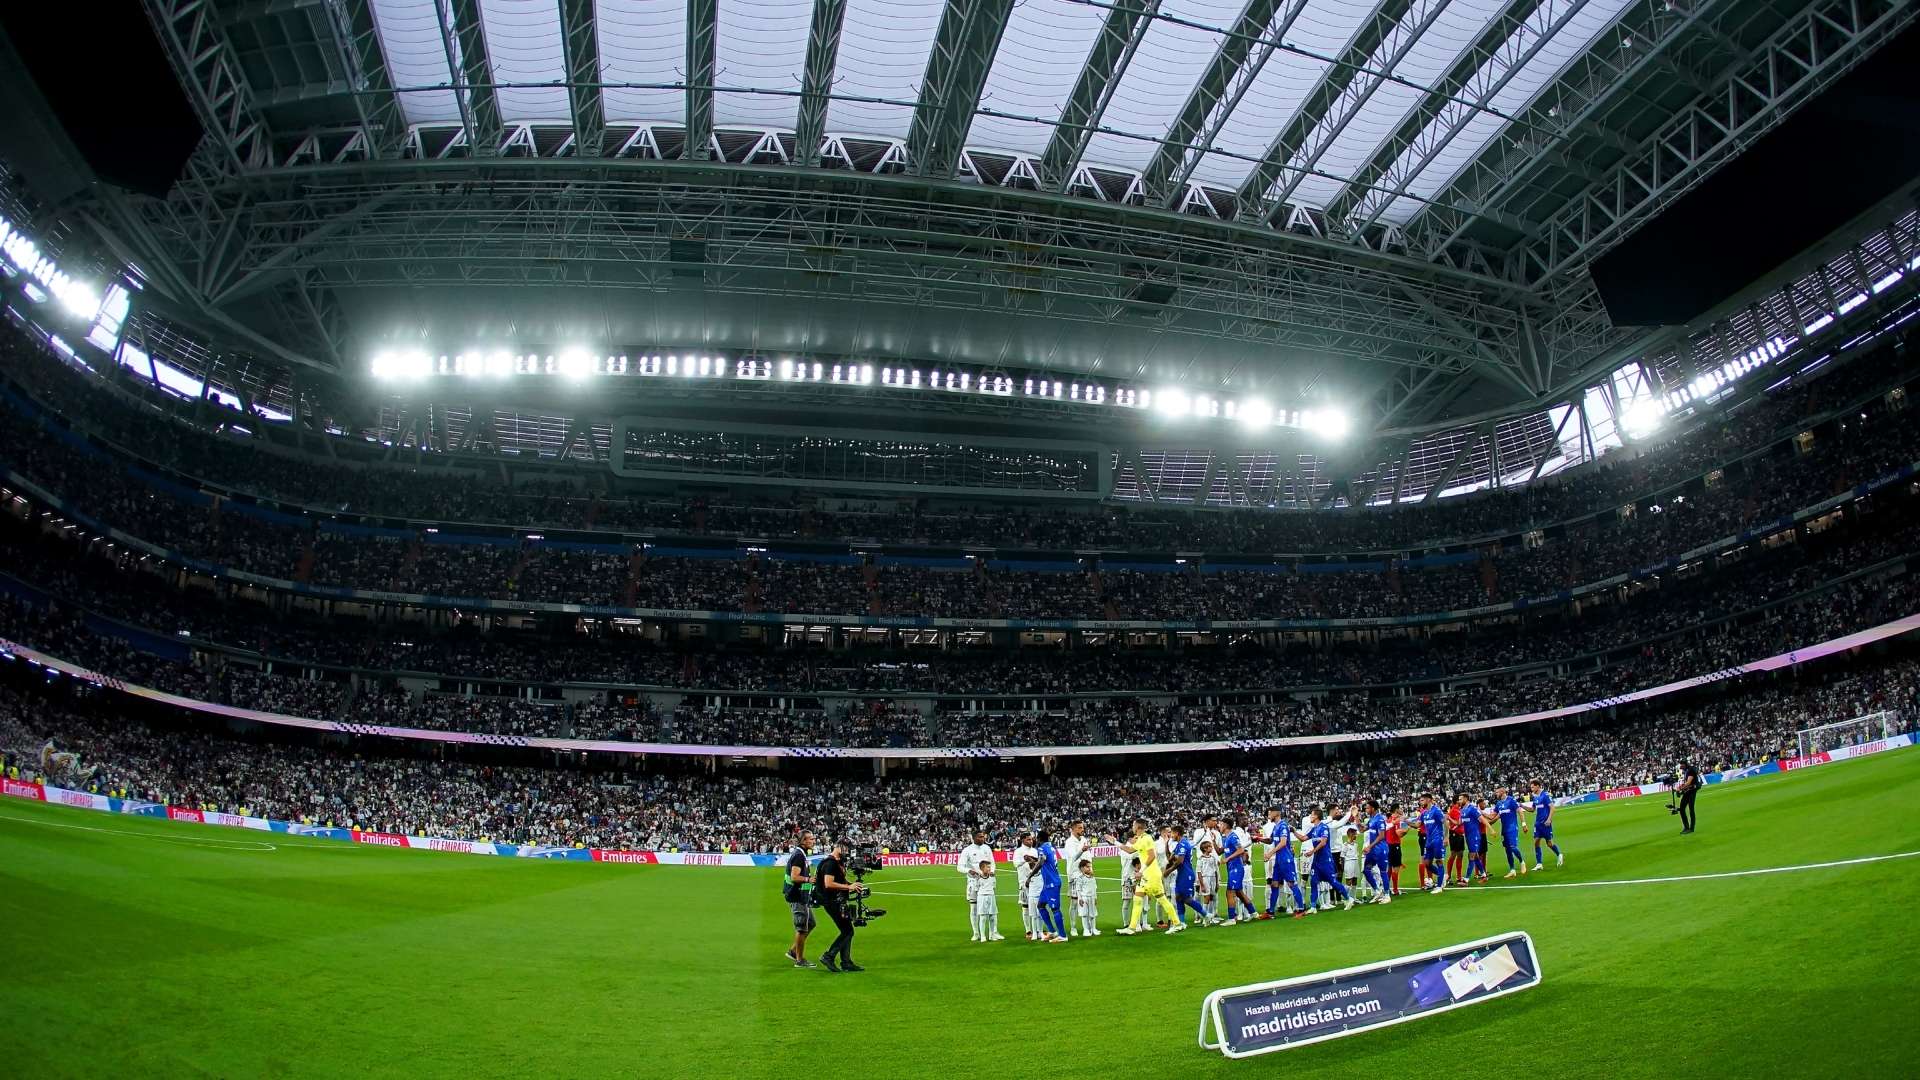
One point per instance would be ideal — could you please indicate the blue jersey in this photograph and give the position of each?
(1377, 835)
(1229, 844)
(1509, 808)
(1184, 875)
(1049, 866)
(1280, 841)
(1542, 809)
(1433, 826)
(1470, 819)
(1320, 840)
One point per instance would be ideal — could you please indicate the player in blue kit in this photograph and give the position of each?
(1543, 827)
(1320, 859)
(1052, 924)
(1183, 877)
(1280, 868)
(1234, 860)
(1374, 859)
(1508, 808)
(1433, 844)
(1473, 821)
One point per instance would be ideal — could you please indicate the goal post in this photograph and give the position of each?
(1875, 725)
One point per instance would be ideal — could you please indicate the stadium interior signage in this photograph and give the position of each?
(1259, 1018)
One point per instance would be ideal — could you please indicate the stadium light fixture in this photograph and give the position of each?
(499, 365)
(1255, 413)
(576, 364)
(1172, 401)
(1328, 423)
(1643, 418)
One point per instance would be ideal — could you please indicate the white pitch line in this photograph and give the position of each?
(215, 842)
(1700, 877)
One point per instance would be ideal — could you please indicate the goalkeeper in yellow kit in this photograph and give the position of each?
(1152, 882)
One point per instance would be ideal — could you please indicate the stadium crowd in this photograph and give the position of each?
(1761, 487)
(193, 766)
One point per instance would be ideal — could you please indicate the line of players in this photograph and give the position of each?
(1352, 857)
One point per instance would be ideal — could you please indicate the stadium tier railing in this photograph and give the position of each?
(85, 800)
(1776, 662)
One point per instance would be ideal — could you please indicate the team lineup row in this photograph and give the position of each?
(1351, 856)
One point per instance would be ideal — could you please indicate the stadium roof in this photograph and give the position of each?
(1389, 204)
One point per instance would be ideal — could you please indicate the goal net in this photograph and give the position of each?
(1860, 729)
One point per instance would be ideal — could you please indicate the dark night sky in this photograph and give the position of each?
(1829, 162)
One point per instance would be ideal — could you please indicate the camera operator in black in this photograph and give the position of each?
(1688, 786)
(797, 890)
(834, 889)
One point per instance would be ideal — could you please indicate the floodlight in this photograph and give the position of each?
(1172, 401)
(1328, 423)
(1256, 413)
(576, 364)
(1643, 418)
(499, 365)
(80, 300)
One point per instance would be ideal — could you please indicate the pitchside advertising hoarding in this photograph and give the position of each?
(1260, 1018)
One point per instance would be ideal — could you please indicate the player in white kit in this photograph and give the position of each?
(1207, 869)
(1209, 833)
(1024, 858)
(969, 864)
(1079, 881)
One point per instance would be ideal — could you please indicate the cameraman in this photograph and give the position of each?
(834, 890)
(797, 890)
(1688, 786)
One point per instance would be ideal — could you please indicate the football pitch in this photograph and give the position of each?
(154, 949)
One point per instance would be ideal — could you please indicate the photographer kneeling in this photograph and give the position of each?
(836, 892)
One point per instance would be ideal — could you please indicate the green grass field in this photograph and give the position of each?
(152, 949)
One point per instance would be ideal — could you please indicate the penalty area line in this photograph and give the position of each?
(1699, 877)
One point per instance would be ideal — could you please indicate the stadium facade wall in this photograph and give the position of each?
(21, 789)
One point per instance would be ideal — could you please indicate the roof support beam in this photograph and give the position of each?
(1484, 358)
(1127, 24)
(358, 38)
(196, 45)
(1460, 458)
(1811, 50)
(1571, 106)
(1238, 62)
(1360, 199)
(963, 49)
(466, 44)
(582, 43)
(1398, 41)
(1319, 102)
(703, 32)
(823, 51)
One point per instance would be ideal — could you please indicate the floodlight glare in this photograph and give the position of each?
(1174, 402)
(382, 365)
(1256, 413)
(576, 364)
(1643, 418)
(80, 300)
(499, 365)
(1326, 423)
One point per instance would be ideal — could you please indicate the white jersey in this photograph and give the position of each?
(1073, 851)
(1021, 867)
(1206, 835)
(985, 902)
(968, 865)
(1208, 867)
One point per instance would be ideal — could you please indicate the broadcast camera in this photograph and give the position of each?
(860, 864)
